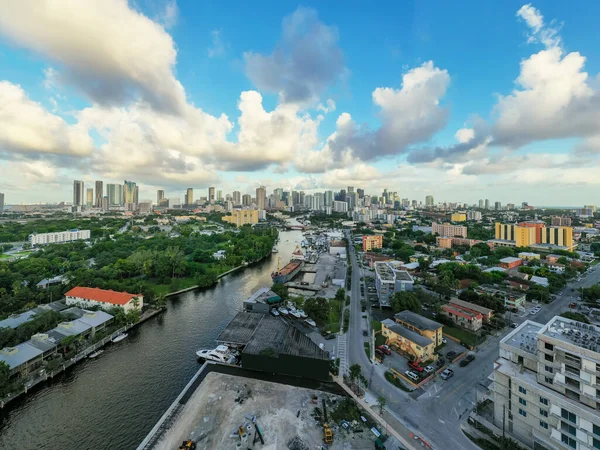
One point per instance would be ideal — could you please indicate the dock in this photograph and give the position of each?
(310, 287)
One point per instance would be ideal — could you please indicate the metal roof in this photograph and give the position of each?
(240, 329)
(406, 333)
(420, 322)
(95, 318)
(15, 320)
(19, 354)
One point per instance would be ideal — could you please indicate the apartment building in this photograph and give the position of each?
(410, 343)
(447, 229)
(517, 235)
(562, 237)
(389, 278)
(421, 325)
(58, 237)
(512, 299)
(458, 217)
(545, 385)
(470, 320)
(240, 217)
(486, 313)
(474, 215)
(371, 242)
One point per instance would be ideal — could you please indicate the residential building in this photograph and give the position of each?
(468, 319)
(412, 344)
(487, 203)
(497, 206)
(340, 206)
(130, 192)
(211, 194)
(89, 197)
(370, 242)
(481, 204)
(519, 236)
(240, 217)
(261, 194)
(160, 195)
(58, 237)
(422, 325)
(449, 242)
(528, 256)
(78, 193)
(449, 230)
(246, 200)
(458, 217)
(512, 299)
(189, 197)
(429, 201)
(114, 192)
(561, 221)
(219, 195)
(237, 198)
(545, 390)
(262, 301)
(538, 225)
(328, 198)
(486, 313)
(389, 279)
(510, 262)
(99, 185)
(105, 299)
(558, 236)
(1, 202)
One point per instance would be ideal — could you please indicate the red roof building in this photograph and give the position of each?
(463, 317)
(106, 299)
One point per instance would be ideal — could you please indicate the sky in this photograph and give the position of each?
(497, 100)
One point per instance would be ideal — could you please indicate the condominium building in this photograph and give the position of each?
(78, 197)
(340, 206)
(410, 343)
(422, 325)
(468, 319)
(58, 237)
(545, 385)
(429, 201)
(447, 229)
(371, 242)
(389, 279)
(474, 215)
(1, 202)
(99, 194)
(246, 200)
(458, 217)
(558, 236)
(89, 197)
(130, 192)
(114, 192)
(261, 194)
(211, 194)
(240, 217)
(518, 235)
(561, 221)
(237, 198)
(160, 195)
(538, 225)
(189, 196)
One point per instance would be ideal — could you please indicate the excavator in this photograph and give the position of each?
(188, 445)
(327, 433)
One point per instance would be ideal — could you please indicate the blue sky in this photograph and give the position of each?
(468, 101)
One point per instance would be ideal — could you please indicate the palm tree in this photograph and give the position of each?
(174, 254)
(381, 401)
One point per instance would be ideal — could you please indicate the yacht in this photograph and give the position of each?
(283, 311)
(274, 312)
(119, 338)
(296, 314)
(222, 354)
(302, 313)
(311, 322)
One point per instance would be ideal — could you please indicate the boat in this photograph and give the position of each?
(297, 254)
(274, 312)
(296, 314)
(302, 313)
(311, 322)
(283, 311)
(222, 354)
(289, 271)
(119, 338)
(96, 353)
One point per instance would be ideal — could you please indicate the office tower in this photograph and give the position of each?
(328, 198)
(160, 194)
(78, 197)
(219, 195)
(342, 195)
(211, 194)
(129, 192)
(497, 206)
(1, 202)
(89, 197)
(278, 193)
(429, 201)
(545, 390)
(105, 203)
(189, 196)
(114, 193)
(481, 203)
(237, 198)
(246, 200)
(487, 203)
(350, 189)
(361, 192)
(261, 193)
(99, 194)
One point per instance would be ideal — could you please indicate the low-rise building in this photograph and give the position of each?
(410, 343)
(458, 217)
(528, 256)
(464, 318)
(58, 237)
(512, 299)
(337, 247)
(486, 313)
(241, 217)
(389, 278)
(510, 262)
(369, 242)
(86, 297)
(219, 255)
(449, 242)
(422, 325)
(262, 301)
(372, 258)
(449, 230)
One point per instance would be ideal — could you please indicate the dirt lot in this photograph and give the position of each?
(283, 413)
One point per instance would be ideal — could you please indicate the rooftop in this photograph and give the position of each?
(240, 329)
(403, 275)
(524, 337)
(19, 354)
(14, 320)
(471, 306)
(458, 311)
(263, 295)
(406, 333)
(574, 332)
(420, 322)
(101, 295)
(384, 271)
(509, 260)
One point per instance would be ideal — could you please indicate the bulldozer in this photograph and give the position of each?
(188, 445)
(327, 433)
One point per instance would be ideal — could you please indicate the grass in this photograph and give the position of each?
(333, 321)
(175, 285)
(465, 336)
(395, 381)
(376, 325)
(379, 339)
(367, 349)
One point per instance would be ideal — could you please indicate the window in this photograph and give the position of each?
(543, 424)
(568, 440)
(596, 429)
(549, 358)
(522, 390)
(596, 443)
(522, 412)
(522, 402)
(548, 380)
(544, 401)
(564, 426)
(543, 412)
(509, 383)
(520, 360)
(548, 346)
(572, 370)
(549, 369)
(568, 415)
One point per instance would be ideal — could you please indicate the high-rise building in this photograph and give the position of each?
(559, 236)
(211, 194)
(522, 236)
(246, 200)
(487, 203)
(481, 203)
(219, 195)
(1, 202)
(78, 190)
(328, 198)
(237, 198)
(189, 196)
(89, 197)
(449, 230)
(342, 195)
(545, 390)
(429, 201)
(130, 192)
(99, 194)
(278, 193)
(497, 206)
(510, 206)
(114, 192)
(350, 190)
(361, 192)
(160, 194)
(539, 225)
(561, 221)
(261, 193)
(340, 206)
(473, 215)
(240, 217)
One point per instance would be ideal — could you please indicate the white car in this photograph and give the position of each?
(429, 369)
(444, 340)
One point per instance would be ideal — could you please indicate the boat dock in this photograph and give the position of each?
(305, 287)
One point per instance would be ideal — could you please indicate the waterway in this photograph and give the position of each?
(113, 401)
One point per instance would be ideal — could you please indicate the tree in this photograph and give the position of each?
(317, 308)
(575, 316)
(175, 257)
(381, 402)
(354, 372)
(404, 300)
(281, 290)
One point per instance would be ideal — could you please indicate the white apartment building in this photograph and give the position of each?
(340, 206)
(58, 237)
(474, 215)
(389, 278)
(545, 387)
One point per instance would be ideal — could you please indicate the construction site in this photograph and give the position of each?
(227, 411)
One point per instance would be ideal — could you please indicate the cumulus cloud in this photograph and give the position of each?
(106, 49)
(304, 63)
(27, 127)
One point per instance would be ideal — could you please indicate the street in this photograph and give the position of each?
(436, 411)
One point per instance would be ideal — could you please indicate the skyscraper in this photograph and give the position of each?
(89, 197)
(361, 192)
(487, 203)
(237, 198)
(261, 193)
(429, 201)
(328, 198)
(129, 192)
(246, 199)
(481, 203)
(99, 194)
(211, 194)
(219, 195)
(189, 196)
(1, 202)
(78, 197)
(278, 193)
(497, 206)
(160, 194)
(114, 192)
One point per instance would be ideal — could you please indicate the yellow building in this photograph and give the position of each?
(371, 242)
(458, 217)
(523, 236)
(412, 344)
(240, 217)
(562, 236)
(422, 325)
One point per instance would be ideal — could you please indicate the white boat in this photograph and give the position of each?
(296, 314)
(275, 312)
(96, 353)
(311, 322)
(120, 337)
(222, 354)
(302, 313)
(283, 311)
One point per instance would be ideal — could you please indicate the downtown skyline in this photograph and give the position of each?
(457, 103)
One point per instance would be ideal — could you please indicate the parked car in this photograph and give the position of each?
(385, 349)
(448, 373)
(365, 333)
(464, 362)
(414, 365)
(412, 375)
(330, 336)
(451, 355)
(444, 340)
(514, 325)
(440, 362)
(379, 354)
(470, 357)
(429, 369)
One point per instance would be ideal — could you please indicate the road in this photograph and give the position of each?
(437, 413)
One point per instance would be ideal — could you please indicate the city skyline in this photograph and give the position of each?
(215, 101)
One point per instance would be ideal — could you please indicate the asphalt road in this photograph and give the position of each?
(437, 413)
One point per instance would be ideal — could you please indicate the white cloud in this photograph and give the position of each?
(109, 51)
(330, 106)
(170, 14)
(465, 135)
(27, 127)
(217, 48)
(547, 35)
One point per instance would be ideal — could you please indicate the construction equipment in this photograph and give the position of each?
(327, 433)
(187, 445)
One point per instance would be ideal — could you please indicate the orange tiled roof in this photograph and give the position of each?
(101, 295)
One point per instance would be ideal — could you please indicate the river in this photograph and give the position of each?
(113, 401)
